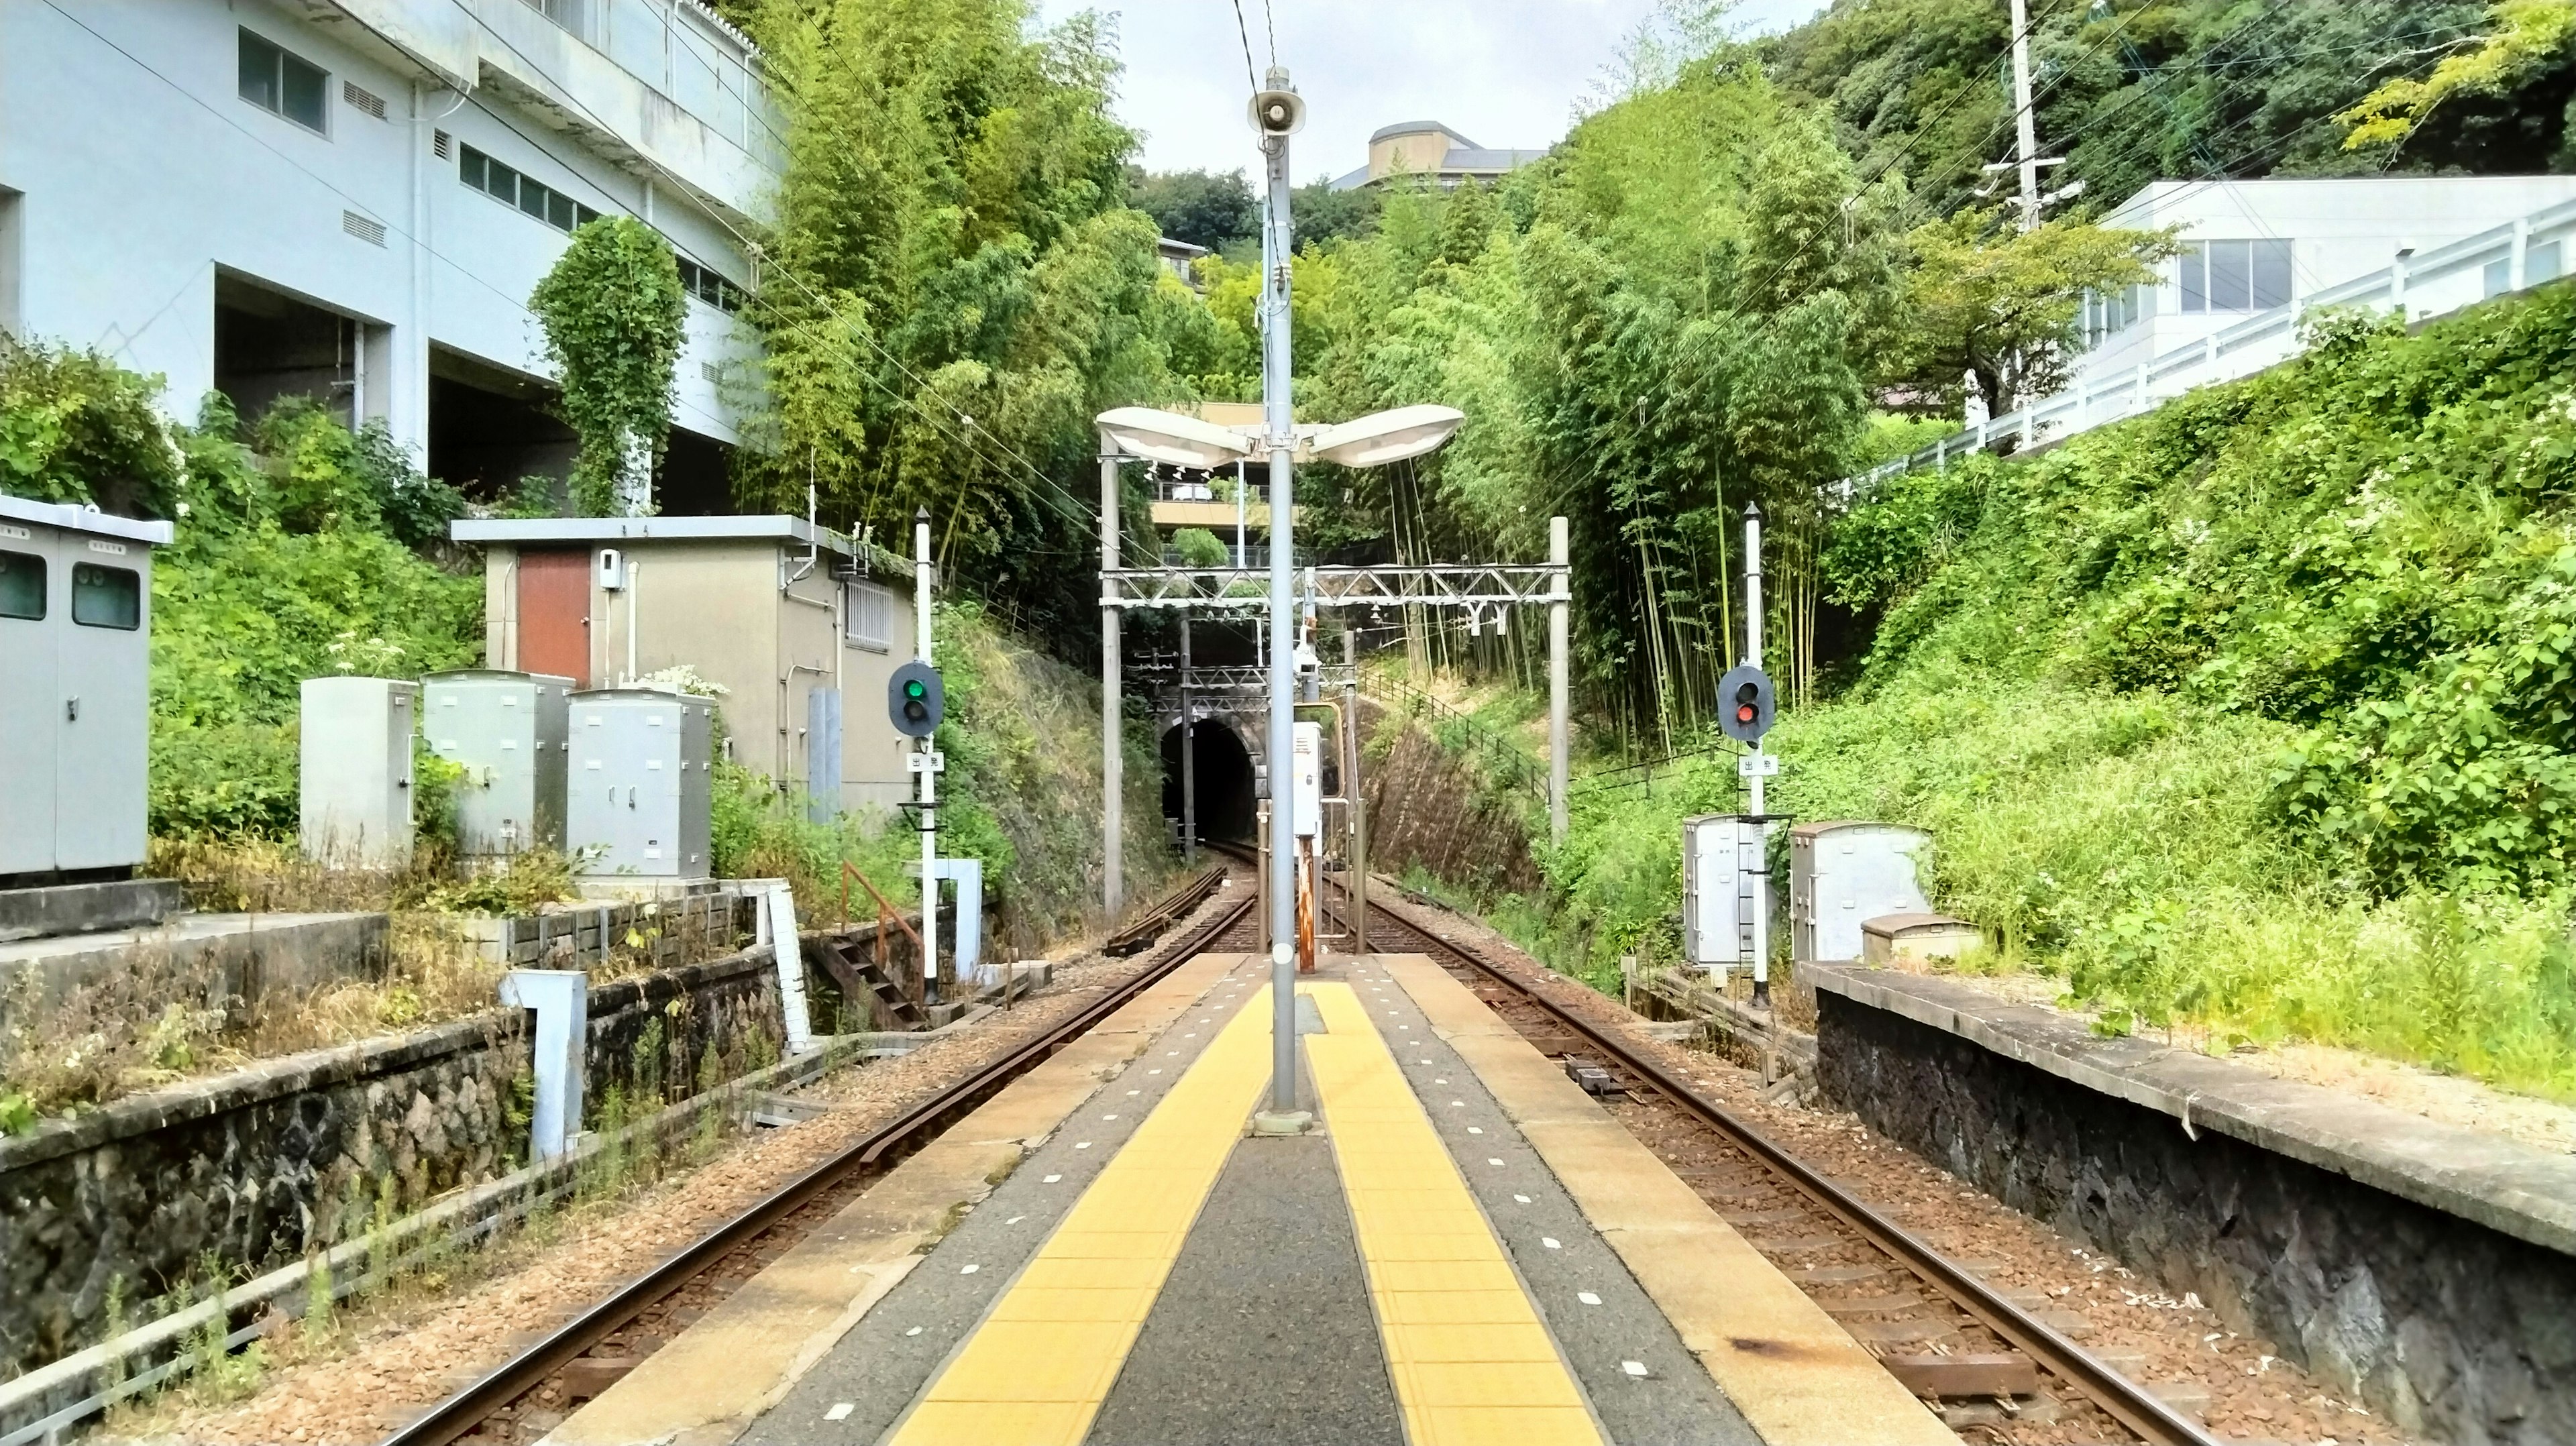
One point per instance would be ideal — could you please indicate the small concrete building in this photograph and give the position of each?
(1434, 152)
(772, 609)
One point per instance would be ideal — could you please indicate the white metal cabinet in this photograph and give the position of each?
(638, 791)
(1722, 872)
(75, 684)
(355, 787)
(507, 730)
(1842, 872)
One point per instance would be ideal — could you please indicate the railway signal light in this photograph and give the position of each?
(1746, 704)
(915, 700)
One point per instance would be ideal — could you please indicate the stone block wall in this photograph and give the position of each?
(263, 1165)
(2456, 1330)
(1428, 808)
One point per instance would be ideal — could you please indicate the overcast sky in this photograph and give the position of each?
(1507, 73)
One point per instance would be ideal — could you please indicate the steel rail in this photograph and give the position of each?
(457, 1416)
(2126, 1401)
(1139, 936)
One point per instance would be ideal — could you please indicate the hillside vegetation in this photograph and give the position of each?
(2256, 712)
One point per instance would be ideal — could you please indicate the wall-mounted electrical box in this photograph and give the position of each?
(638, 789)
(612, 569)
(1722, 873)
(507, 731)
(75, 689)
(1843, 872)
(356, 777)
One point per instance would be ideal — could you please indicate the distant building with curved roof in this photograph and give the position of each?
(1433, 151)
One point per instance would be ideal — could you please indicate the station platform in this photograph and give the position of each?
(1466, 1249)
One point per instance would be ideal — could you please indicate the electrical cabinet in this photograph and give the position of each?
(356, 773)
(638, 790)
(508, 732)
(1723, 872)
(1843, 873)
(75, 688)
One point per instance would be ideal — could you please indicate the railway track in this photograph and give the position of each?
(1781, 1196)
(741, 1246)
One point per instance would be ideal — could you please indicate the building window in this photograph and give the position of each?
(22, 585)
(510, 188)
(2540, 263)
(709, 287)
(283, 84)
(2235, 275)
(2104, 315)
(106, 597)
(867, 611)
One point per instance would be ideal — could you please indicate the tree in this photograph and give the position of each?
(1211, 210)
(2528, 36)
(612, 309)
(1988, 298)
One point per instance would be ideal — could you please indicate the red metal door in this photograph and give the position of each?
(554, 613)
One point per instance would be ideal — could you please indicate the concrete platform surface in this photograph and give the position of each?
(1147, 1274)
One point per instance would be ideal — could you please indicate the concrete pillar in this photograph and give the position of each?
(1113, 781)
(1352, 790)
(561, 999)
(1560, 554)
(1189, 756)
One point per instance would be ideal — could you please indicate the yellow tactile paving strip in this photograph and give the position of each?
(1798, 1377)
(706, 1387)
(1471, 1361)
(1038, 1368)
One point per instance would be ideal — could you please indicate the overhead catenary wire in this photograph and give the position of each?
(1245, 33)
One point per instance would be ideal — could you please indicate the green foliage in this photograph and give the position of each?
(1199, 547)
(613, 309)
(2252, 712)
(957, 285)
(75, 427)
(1211, 210)
(1989, 298)
(2136, 90)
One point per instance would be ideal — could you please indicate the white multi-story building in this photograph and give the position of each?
(354, 199)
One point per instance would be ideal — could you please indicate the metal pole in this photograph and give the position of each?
(1113, 772)
(1279, 422)
(1351, 790)
(1189, 756)
(930, 755)
(1560, 553)
(2026, 133)
(1753, 655)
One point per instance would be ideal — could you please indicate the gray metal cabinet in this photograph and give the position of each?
(1722, 868)
(507, 730)
(1844, 872)
(639, 790)
(356, 776)
(75, 687)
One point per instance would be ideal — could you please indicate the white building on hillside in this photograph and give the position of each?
(2252, 247)
(353, 199)
(2259, 257)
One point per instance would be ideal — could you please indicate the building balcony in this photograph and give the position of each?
(663, 88)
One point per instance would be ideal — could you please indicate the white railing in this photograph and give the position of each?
(2532, 250)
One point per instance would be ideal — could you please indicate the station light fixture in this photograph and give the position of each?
(1383, 437)
(1159, 436)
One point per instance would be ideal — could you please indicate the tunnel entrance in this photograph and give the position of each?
(1225, 785)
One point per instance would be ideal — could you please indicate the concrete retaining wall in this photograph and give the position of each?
(2425, 1268)
(265, 1164)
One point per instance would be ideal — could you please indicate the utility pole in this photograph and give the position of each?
(1560, 554)
(1277, 112)
(2025, 124)
(928, 760)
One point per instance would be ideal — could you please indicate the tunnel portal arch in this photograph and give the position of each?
(1228, 776)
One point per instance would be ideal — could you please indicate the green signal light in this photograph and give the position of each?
(915, 688)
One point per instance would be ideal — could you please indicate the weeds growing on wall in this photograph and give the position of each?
(613, 310)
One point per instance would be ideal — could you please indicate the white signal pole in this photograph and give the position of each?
(1753, 656)
(928, 761)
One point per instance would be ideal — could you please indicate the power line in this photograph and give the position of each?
(1270, 28)
(1245, 32)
